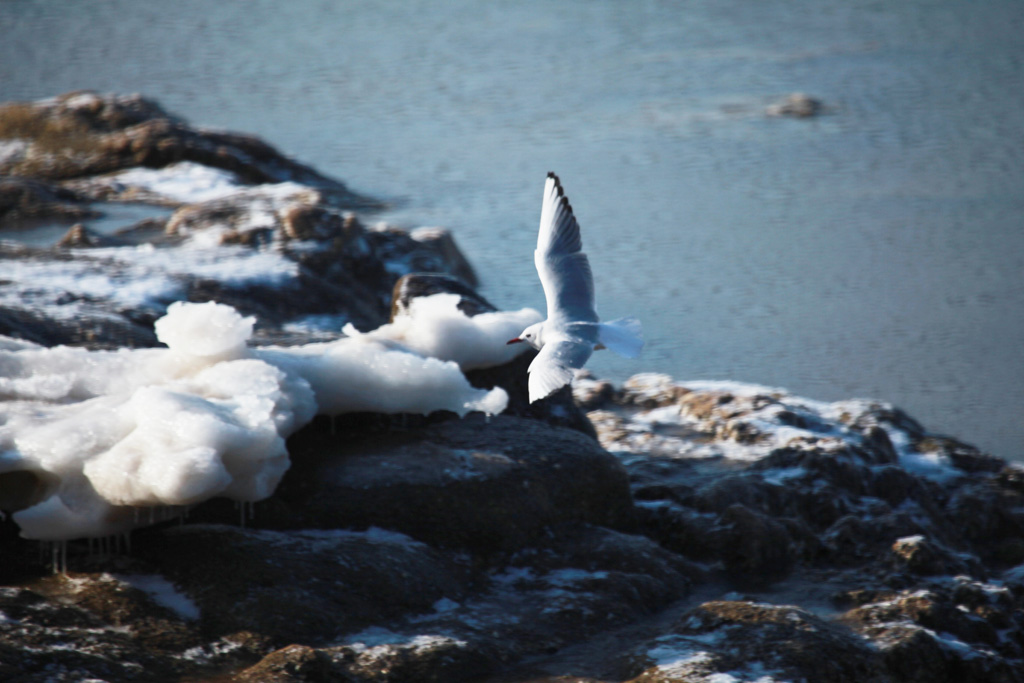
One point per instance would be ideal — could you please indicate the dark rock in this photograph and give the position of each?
(119, 634)
(428, 659)
(425, 250)
(25, 199)
(963, 456)
(990, 516)
(755, 548)
(755, 641)
(918, 555)
(481, 484)
(245, 579)
(930, 635)
(651, 576)
(415, 285)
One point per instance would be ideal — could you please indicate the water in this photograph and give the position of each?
(875, 251)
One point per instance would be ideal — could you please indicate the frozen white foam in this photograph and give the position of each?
(208, 329)
(434, 326)
(106, 431)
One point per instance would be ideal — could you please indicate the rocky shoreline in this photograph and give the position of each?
(651, 532)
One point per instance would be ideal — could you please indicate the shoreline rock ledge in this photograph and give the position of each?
(654, 532)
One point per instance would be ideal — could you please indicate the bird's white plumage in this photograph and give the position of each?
(571, 332)
(563, 268)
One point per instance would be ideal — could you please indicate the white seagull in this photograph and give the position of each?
(572, 331)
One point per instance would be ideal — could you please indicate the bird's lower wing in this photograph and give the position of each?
(555, 366)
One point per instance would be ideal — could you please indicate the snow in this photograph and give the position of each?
(910, 540)
(312, 324)
(694, 658)
(186, 181)
(935, 466)
(9, 149)
(163, 593)
(762, 415)
(136, 277)
(106, 432)
(376, 642)
(82, 100)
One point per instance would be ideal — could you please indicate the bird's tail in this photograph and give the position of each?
(624, 336)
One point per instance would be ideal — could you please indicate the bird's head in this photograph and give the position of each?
(531, 335)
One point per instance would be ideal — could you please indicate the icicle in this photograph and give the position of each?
(59, 557)
(128, 542)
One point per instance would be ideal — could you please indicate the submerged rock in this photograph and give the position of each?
(80, 237)
(26, 199)
(797, 105)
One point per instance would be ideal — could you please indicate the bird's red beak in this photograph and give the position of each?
(513, 341)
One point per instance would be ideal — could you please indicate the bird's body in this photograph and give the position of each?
(572, 330)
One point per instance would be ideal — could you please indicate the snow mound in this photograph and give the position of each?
(100, 434)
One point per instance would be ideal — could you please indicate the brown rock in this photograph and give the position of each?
(78, 237)
(918, 555)
(84, 133)
(26, 199)
(292, 664)
(755, 640)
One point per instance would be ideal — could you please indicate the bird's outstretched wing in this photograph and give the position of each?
(555, 366)
(563, 267)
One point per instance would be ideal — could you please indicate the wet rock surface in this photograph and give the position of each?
(654, 531)
(796, 105)
(25, 199)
